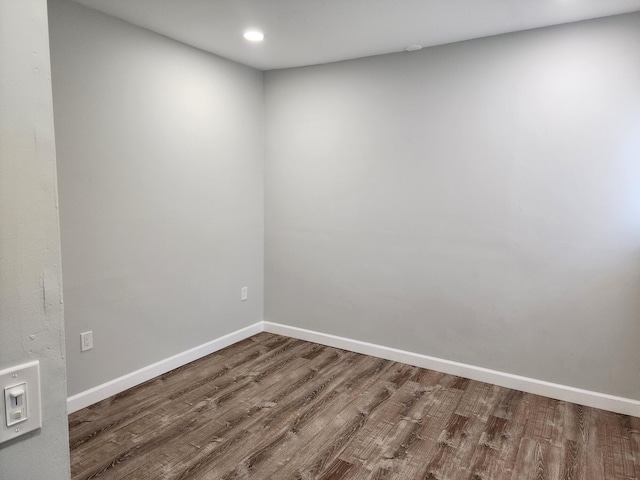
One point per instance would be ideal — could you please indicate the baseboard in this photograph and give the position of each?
(113, 387)
(588, 398)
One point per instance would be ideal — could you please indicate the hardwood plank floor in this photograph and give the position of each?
(273, 407)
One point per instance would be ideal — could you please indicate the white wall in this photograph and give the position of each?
(30, 279)
(477, 202)
(161, 193)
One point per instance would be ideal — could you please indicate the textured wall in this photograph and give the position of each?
(30, 280)
(161, 193)
(478, 202)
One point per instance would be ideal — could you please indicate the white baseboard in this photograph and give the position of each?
(115, 386)
(588, 398)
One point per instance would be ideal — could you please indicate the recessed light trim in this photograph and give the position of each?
(253, 36)
(412, 48)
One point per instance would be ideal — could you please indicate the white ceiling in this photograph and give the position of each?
(307, 32)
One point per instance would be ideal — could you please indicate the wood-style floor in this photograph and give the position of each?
(272, 407)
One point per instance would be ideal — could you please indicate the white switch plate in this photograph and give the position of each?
(243, 294)
(27, 378)
(86, 341)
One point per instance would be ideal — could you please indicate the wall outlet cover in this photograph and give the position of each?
(86, 341)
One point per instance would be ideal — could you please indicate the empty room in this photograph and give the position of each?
(304, 239)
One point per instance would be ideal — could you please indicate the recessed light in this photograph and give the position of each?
(254, 36)
(412, 48)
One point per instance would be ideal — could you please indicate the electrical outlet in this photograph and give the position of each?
(86, 341)
(243, 294)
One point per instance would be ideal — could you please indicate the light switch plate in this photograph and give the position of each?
(27, 378)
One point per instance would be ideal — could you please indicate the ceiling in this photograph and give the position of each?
(307, 32)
